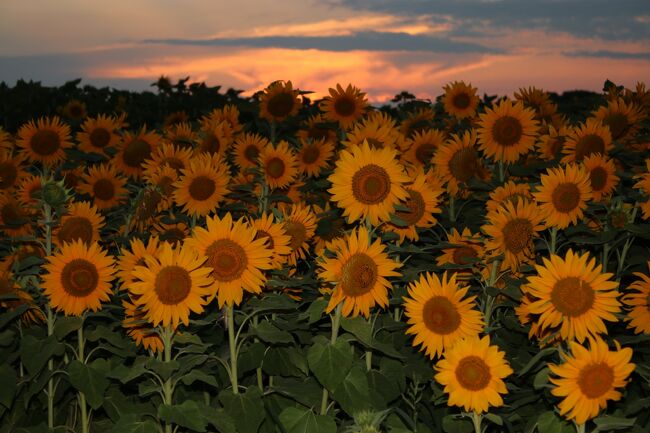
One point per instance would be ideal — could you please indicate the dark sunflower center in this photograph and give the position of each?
(345, 106)
(136, 152)
(12, 215)
(566, 197)
(76, 111)
(45, 142)
(464, 255)
(173, 284)
(418, 125)
(202, 188)
(618, 125)
(104, 189)
(99, 137)
(76, 228)
(298, 233)
(6, 286)
(310, 154)
(280, 105)
(210, 143)
(424, 152)
(172, 236)
(173, 162)
(371, 184)
(182, 142)
(555, 145)
(596, 379)
(275, 168)
(318, 133)
(227, 259)
(166, 185)
(473, 373)
(415, 204)
(330, 228)
(507, 131)
(588, 145)
(464, 164)
(262, 234)
(375, 143)
(251, 153)
(572, 297)
(598, 177)
(517, 234)
(440, 316)
(79, 278)
(359, 275)
(461, 100)
(9, 175)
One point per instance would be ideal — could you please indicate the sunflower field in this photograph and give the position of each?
(187, 260)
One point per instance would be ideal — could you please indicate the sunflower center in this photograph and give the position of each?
(555, 145)
(589, 144)
(419, 125)
(310, 154)
(318, 133)
(261, 234)
(415, 204)
(76, 111)
(211, 144)
(9, 174)
(461, 100)
(572, 297)
(517, 234)
(12, 215)
(103, 189)
(330, 228)
(596, 379)
(440, 316)
(464, 255)
(227, 259)
(375, 143)
(507, 131)
(598, 177)
(79, 278)
(345, 106)
(202, 188)
(182, 142)
(76, 228)
(371, 184)
(275, 168)
(45, 142)
(566, 197)
(281, 104)
(6, 286)
(464, 164)
(251, 153)
(173, 162)
(172, 236)
(424, 152)
(173, 284)
(136, 152)
(473, 373)
(298, 233)
(100, 137)
(166, 185)
(359, 275)
(618, 125)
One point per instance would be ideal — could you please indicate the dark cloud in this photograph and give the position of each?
(609, 54)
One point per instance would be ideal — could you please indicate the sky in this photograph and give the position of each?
(381, 46)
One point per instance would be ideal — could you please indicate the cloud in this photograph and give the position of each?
(610, 55)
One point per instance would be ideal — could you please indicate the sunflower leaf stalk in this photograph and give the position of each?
(167, 335)
(232, 342)
(50, 316)
(336, 321)
(81, 357)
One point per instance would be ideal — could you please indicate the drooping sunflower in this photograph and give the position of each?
(98, 134)
(79, 278)
(15, 220)
(424, 144)
(316, 128)
(511, 230)
(29, 191)
(134, 150)
(167, 155)
(587, 379)
(81, 222)
(460, 99)
(172, 284)
(586, 139)
(74, 110)
(139, 329)
(378, 130)
(367, 183)
(237, 259)
(45, 140)
(358, 272)
(181, 135)
(643, 184)
(574, 295)
(279, 165)
(134, 256)
(229, 114)
(163, 180)
(507, 131)
(458, 161)
(248, 147)
(313, 156)
(171, 232)
(344, 106)
(602, 175)
(623, 119)
(12, 169)
(418, 121)
(440, 314)
(104, 185)
(563, 195)
(472, 372)
(550, 144)
(215, 138)
(279, 101)
(539, 101)
(331, 225)
(299, 222)
(9, 286)
(639, 302)
(467, 248)
(509, 192)
(276, 237)
(203, 185)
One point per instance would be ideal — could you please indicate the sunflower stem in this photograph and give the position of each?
(580, 428)
(230, 313)
(502, 172)
(489, 301)
(553, 240)
(51, 317)
(167, 335)
(621, 258)
(476, 420)
(273, 126)
(452, 213)
(336, 320)
(605, 259)
(81, 358)
(260, 378)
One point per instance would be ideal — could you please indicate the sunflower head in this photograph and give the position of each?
(344, 106)
(279, 101)
(460, 99)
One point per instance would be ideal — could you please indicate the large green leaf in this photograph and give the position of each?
(126, 374)
(35, 353)
(285, 361)
(132, 424)
(271, 334)
(297, 420)
(198, 375)
(8, 379)
(88, 380)
(247, 410)
(188, 415)
(65, 325)
(359, 327)
(353, 392)
(549, 422)
(330, 362)
(456, 424)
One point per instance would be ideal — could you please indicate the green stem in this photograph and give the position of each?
(476, 420)
(336, 320)
(553, 240)
(605, 259)
(51, 318)
(452, 213)
(273, 125)
(230, 312)
(621, 261)
(489, 301)
(167, 336)
(368, 360)
(580, 428)
(81, 356)
(260, 378)
(502, 172)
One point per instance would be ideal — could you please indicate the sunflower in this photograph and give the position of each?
(79, 278)
(104, 185)
(418, 121)
(279, 165)
(134, 150)
(6, 144)
(202, 185)
(472, 372)
(215, 138)
(587, 138)
(139, 330)
(181, 135)
(378, 130)
(643, 184)
(424, 144)
(358, 272)
(331, 225)
(460, 99)
(12, 170)
(248, 147)
(510, 192)
(587, 379)
(367, 183)
(539, 101)
(163, 179)
(550, 144)
(466, 249)
(563, 195)
(29, 191)
(279, 101)
(313, 156)
(623, 119)
(82, 222)
(573, 294)
(229, 114)
(15, 220)
(602, 175)
(9, 287)
(458, 161)
(344, 106)
(175, 118)
(507, 131)
(511, 230)
(98, 134)
(44, 141)
(316, 128)
(440, 314)
(299, 222)
(167, 155)
(639, 302)
(276, 237)
(74, 110)
(72, 177)
(236, 257)
(171, 284)
(134, 256)
(172, 233)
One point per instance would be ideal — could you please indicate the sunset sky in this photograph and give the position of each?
(381, 46)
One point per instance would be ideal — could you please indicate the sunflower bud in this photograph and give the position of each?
(54, 193)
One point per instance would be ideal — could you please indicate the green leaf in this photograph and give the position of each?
(8, 316)
(188, 415)
(297, 420)
(35, 353)
(126, 374)
(221, 420)
(607, 423)
(541, 378)
(8, 379)
(535, 359)
(163, 369)
(273, 302)
(359, 327)
(88, 380)
(352, 393)
(187, 338)
(131, 424)
(330, 362)
(307, 392)
(247, 410)
(285, 361)
(456, 424)
(198, 375)
(271, 334)
(315, 311)
(65, 325)
(549, 422)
